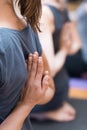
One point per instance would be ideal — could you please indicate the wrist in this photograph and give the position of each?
(27, 106)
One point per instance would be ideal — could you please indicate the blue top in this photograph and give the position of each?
(82, 27)
(14, 49)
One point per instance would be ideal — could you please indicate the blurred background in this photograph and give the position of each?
(78, 86)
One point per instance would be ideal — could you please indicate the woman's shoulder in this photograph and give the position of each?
(47, 12)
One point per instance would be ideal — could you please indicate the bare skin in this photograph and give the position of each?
(66, 112)
(63, 114)
(39, 87)
(34, 92)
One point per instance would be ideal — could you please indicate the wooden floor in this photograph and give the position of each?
(77, 93)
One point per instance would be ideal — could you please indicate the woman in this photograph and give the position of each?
(78, 67)
(57, 34)
(17, 41)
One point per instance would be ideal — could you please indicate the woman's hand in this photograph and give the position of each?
(74, 37)
(65, 39)
(37, 81)
(70, 40)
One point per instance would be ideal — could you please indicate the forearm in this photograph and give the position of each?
(16, 119)
(58, 62)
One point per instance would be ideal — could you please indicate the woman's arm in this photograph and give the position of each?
(74, 37)
(16, 119)
(57, 61)
(34, 91)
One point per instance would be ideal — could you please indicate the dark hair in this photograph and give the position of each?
(31, 9)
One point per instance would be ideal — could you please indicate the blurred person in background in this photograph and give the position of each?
(77, 65)
(22, 85)
(59, 38)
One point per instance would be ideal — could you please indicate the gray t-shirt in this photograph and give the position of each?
(14, 49)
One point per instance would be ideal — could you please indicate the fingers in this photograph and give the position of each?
(29, 64)
(39, 70)
(45, 82)
(33, 67)
(46, 73)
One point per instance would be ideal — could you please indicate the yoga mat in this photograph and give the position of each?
(78, 83)
(80, 123)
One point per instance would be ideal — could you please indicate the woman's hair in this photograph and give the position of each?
(31, 9)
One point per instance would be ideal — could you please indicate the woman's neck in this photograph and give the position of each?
(10, 19)
(6, 8)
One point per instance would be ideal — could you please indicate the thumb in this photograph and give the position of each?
(45, 82)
